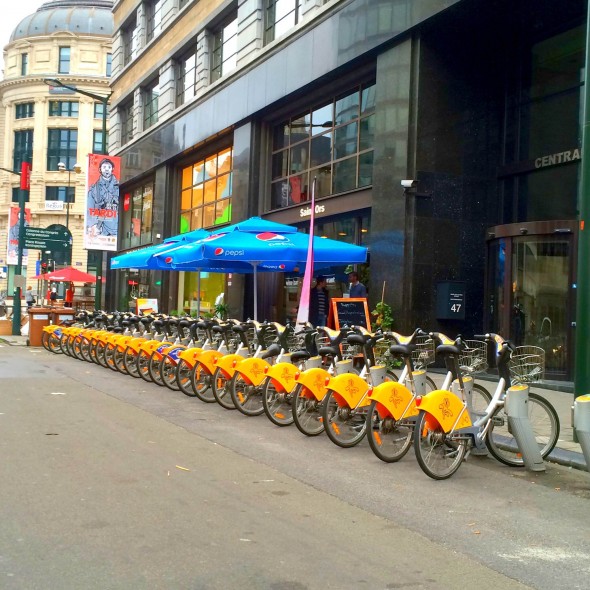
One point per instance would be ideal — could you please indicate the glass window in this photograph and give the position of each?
(62, 146)
(126, 115)
(60, 193)
(151, 94)
(187, 77)
(99, 108)
(63, 108)
(206, 191)
(24, 64)
(332, 143)
(109, 65)
(23, 148)
(137, 219)
(280, 17)
(225, 48)
(64, 60)
(16, 193)
(97, 142)
(153, 18)
(130, 40)
(25, 110)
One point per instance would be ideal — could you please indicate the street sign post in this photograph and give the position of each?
(39, 238)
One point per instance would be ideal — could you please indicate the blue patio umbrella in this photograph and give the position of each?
(263, 246)
(144, 258)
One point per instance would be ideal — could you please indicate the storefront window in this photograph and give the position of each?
(205, 200)
(332, 142)
(137, 216)
(199, 294)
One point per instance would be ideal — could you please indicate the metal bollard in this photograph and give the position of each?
(516, 405)
(468, 387)
(378, 374)
(582, 425)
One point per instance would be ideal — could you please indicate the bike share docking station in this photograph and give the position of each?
(516, 406)
(582, 425)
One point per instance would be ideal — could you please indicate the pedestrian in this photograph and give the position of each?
(319, 302)
(29, 297)
(357, 289)
(69, 298)
(53, 294)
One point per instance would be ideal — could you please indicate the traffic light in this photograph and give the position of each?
(51, 265)
(44, 267)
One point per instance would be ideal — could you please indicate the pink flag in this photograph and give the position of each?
(303, 313)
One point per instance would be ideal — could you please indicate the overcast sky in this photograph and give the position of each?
(12, 16)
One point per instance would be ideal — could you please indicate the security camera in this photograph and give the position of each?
(409, 183)
(61, 166)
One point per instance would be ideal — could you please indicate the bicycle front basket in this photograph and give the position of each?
(527, 364)
(473, 359)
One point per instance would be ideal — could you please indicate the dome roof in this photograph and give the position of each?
(87, 17)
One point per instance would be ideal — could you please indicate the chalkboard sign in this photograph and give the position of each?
(350, 312)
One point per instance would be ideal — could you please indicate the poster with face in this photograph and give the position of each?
(12, 242)
(102, 202)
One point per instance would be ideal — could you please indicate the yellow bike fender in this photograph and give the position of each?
(151, 345)
(445, 407)
(351, 388)
(190, 355)
(207, 359)
(160, 351)
(253, 370)
(394, 399)
(283, 376)
(135, 343)
(123, 342)
(227, 363)
(314, 381)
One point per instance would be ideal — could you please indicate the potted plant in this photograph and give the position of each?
(383, 316)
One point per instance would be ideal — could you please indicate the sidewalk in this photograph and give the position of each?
(559, 393)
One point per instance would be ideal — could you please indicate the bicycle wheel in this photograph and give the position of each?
(85, 346)
(247, 397)
(438, 454)
(389, 439)
(344, 426)
(480, 399)
(220, 388)
(277, 405)
(201, 380)
(109, 356)
(143, 365)
(155, 368)
(544, 422)
(118, 359)
(168, 374)
(63, 344)
(130, 362)
(183, 378)
(307, 412)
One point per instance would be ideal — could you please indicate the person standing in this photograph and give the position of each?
(69, 297)
(357, 289)
(29, 297)
(319, 302)
(53, 295)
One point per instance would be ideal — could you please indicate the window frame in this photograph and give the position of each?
(269, 33)
(153, 19)
(182, 88)
(24, 64)
(64, 194)
(62, 146)
(64, 63)
(219, 44)
(22, 148)
(65, 108)
(126, 116)
(24, 110)
(150, 95)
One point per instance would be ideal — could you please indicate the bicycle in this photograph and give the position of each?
(447, 428)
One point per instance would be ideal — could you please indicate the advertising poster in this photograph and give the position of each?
(147, 306)
(13, 223)
(102, 202)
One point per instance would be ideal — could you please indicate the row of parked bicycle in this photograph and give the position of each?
(348, 383)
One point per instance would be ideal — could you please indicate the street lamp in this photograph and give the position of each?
(104, 99)
(77, 169)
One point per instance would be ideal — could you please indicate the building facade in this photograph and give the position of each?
(53, 127)
(227, 109)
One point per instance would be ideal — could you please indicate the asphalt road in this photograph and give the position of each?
(109, 482)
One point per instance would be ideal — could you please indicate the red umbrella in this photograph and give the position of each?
(69, 274)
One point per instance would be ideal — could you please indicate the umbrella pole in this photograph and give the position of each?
(255, 265)
(199, 293)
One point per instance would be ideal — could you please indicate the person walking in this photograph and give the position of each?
(319, 302)
(357, 289)
(69, 297)
(29, 297)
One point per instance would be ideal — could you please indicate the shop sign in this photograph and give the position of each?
(558, 158)
(306, 211)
